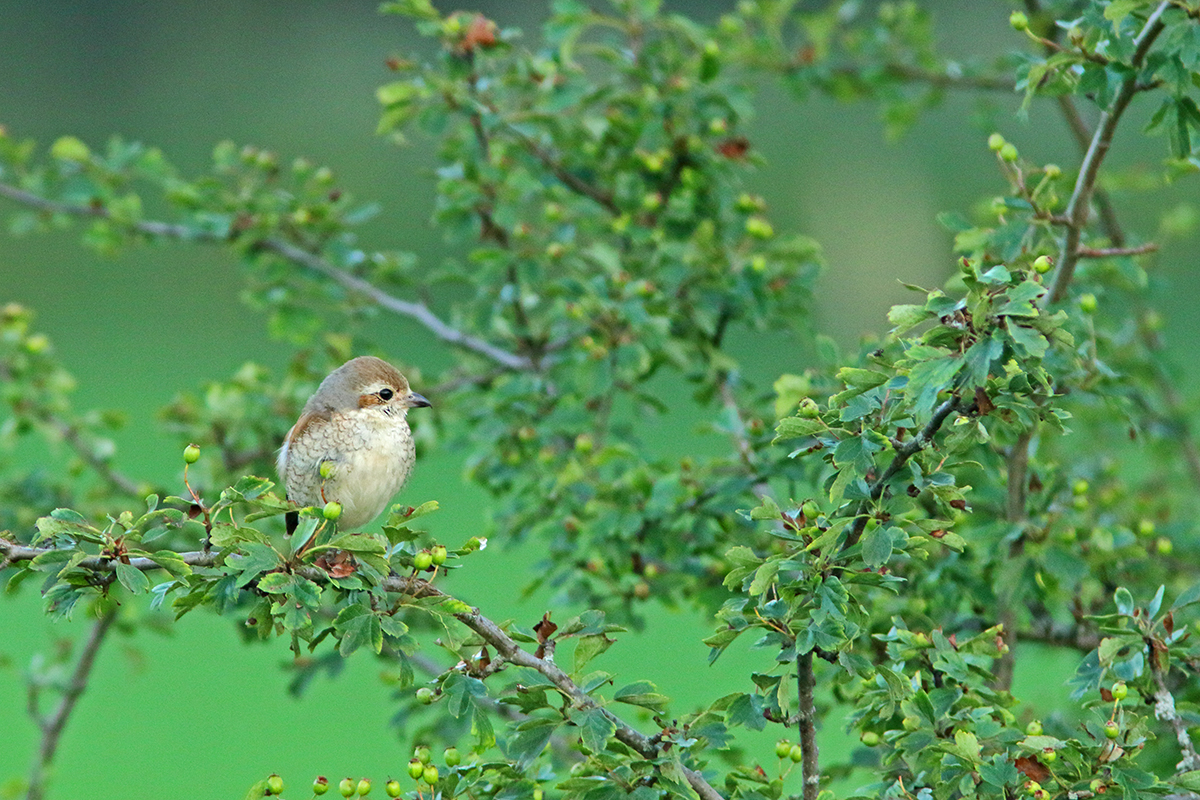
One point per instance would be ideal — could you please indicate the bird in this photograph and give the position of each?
(357, 424)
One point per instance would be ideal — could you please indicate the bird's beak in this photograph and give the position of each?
(415, 400)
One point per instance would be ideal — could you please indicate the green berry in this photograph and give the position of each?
(782, 748)
(870, 738)
(332, 510)
(1145, 528)
(423, 560)
(422, 754)
(1079, 502)
(415, 769)
(69, 148)
(995, 142)
(538, 794)
(584, 443)
(364, 787)
(1042, 264)
(1052, 171)
(325, 470)
(430, 775)
(911, 723)
(425, 695)
(346, 787)
(1111, 729)
(1032, 787)
(796, 753)
(1119, 690)
(1019, 21)
(1087, 303)
(392, 788)
(452, 757)
(1034, 728)
(320, 785)
(191, 454)
(1009, 152)
(1049, 755)
(759, 228)
(808, 409)
(274, 784)
(439, 554)
(810, 510)
(1080, 487)
(1164, 546)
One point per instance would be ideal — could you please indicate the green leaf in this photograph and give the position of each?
(904, 317)
(877, 547)
(595, 728)
(1124, 600)
(253, 560)
(172, 562)
(357, 626)
(530, 740)
(642, 693)
(461, 692)
(132, 578)
(588, 648)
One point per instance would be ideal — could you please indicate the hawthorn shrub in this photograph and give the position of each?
(893, 527)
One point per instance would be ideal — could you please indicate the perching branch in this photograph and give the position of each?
(1085, 184)
(295, 254)
(505, 646)
(52, 726)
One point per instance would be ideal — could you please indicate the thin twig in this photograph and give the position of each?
(52, 726)
(569, 179)
(1112, 252)
(297, 255)
(1085, 184)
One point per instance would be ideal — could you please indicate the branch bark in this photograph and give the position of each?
(419, 312)
(52, 726)
(806, 722)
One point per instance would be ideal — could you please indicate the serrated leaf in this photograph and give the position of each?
(132, 578)
(358, 626)
(595, 728)
(642, 693)
(588, 648)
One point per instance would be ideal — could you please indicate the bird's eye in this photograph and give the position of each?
(386, 394)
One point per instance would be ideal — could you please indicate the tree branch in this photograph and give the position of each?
(1164, 709)
(1085, 184)
(295, 254)
(569, 179)
(806, 722)
(52, 726)
(489, 631)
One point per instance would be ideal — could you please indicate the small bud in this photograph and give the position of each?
(1034, 728)
(1052, 171)
(995, 142)
(1087, 303)
(1164, 546)
(1009, 152)
(1019, 21)
(1080, 487)
(869, 738)
(1145, 528)
(759, 228)
(191, 454)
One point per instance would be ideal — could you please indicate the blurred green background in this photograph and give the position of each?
(196, 713)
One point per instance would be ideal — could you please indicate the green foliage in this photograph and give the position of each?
(917, 512)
